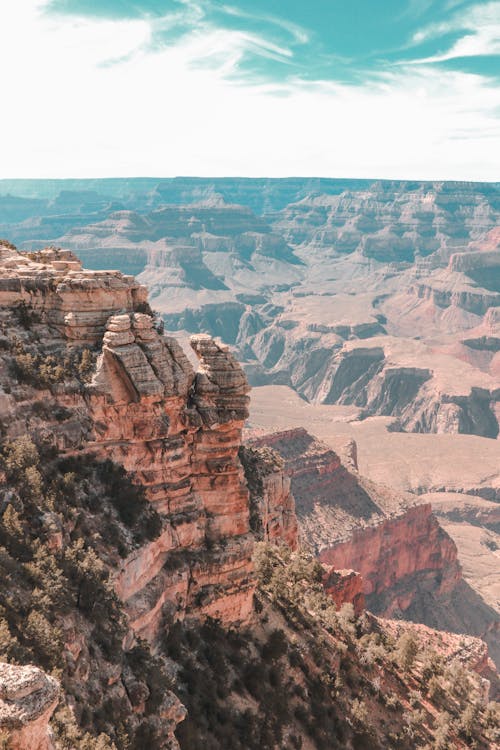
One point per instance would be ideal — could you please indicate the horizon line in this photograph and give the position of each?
(247, 177)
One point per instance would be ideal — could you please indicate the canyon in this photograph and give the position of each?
(397, 383)
(380, 295)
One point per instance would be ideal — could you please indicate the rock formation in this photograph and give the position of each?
(138, 402)
(272, 506)
(28, 698)
(176, 431)
(345, 587)
(405, 563)
(399, 558)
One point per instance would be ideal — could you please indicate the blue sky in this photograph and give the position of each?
(361, 88)
(333, 39)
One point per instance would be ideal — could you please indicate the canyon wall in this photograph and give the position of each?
(399, 558)
(406, 564)
(176, 431)
(272, 505)
(86, 371)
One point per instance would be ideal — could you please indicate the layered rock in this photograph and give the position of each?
(125, 392)
(178, 432)
(399, 559)
(28, 698)
(385, 379)
(272, 506)
(175, 431)
(76, 302)
(407, 564)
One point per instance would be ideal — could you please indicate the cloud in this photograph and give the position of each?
(299, 34)
(181, 108)
(480, 29)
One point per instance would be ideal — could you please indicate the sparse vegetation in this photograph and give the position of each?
(51, 585)
(44, 371)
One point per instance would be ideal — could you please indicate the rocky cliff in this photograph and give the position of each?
(272, 505)
(407, 564)
(399, 559)
(176, 431)
(345, 587)
(87, 374)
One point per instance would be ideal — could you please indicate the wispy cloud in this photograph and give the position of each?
(185, 107)
(479, 27)
(299, 34)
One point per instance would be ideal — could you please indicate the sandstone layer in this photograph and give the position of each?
(345, 587)
(272, 505)
(175, 430)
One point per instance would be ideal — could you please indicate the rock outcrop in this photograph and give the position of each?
(76, 302)
(87, 372)
(272, 506)
(345, 587)
(407, 564)
(28, 698)
(175, 431)
(399, 559)
(178, 433)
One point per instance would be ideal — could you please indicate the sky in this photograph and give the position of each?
(399, 89)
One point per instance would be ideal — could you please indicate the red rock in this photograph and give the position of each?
(345, 587)
(272, 506)
(177, 432)
(394, 553)
(397, 546)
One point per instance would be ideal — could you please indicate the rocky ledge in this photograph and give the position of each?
(28, 698)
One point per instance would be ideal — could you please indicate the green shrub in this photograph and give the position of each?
(406, 650)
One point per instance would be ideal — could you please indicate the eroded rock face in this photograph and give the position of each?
(272, 506)
(76, 302)
(141, 405)
(397, 557)
(421, 399)
(28, 698)
(345, 587)
(407, 563)
(176, 431)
